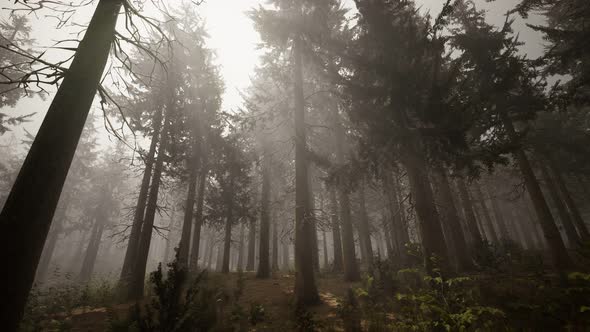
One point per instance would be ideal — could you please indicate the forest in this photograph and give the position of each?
(295, 165)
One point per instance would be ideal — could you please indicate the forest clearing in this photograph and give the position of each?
(295, 165)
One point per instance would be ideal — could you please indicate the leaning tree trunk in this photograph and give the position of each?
(305, 287)
(336, 240)
(570, 230)
(575, 212)
(135, 289)
(561, 259)
(451, 218)
(263, 247)
(133, 243)
(41, 178)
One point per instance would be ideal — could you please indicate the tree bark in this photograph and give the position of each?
(350, 265)
(138, 274)
(573, 208)
(468, 211)
(275, 242)
(133, 243)
(451, 218)
(92, 249)
(561, 258)
(251, 246)
(263, 254)
(486, 214)
(52, 241)
(364, 232)
(227, 240)
(570, 230)
(336, 240)
(433, 242)
(306, 292)
(41, 178)
(189, 208)
(194, 265)
(240, 263)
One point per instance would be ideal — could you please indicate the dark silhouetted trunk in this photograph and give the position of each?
(570, 230)
(364, 231)
(326, 259)
(58, 222)
(450, 217)
(489, 226)
(286, 265)
(560, 256)
(189, 208)
(387, 235)
(275, 242)
(41, 178)
(251, 246)
(433, 242)
(336, 240)
(169, 237)
(498, 216)
(350, 265)
(199, 216)
(138, 273)
(305, 287)
(92, 249)
(240, 263)
(263, 254)
(133, 243)
(468, 211)
(227, 239)
(573, 208)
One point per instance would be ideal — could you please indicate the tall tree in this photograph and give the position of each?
(42, 175)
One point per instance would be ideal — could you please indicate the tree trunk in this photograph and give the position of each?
(468, 211)
(227, 239)
(240, 266)
(350, 265)
(138, 274)
(275, 242)
(561, 258)
(486, 214)
(286, 265)
(41, 178)
(433, 242)
(92, 250)
(185, 237)
(51, 242)
(499, 218)
(263, 254)
(451, 218)
(199, 216)
(336, 240)
(387, 235)
(326, 258)
(573, 208)
(169, 237)
(133, 243)
(306, 292)
(364, 231)
(251, 246)
(570, 230)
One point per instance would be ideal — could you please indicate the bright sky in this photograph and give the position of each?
(234, 38)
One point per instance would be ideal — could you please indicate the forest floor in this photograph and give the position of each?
(274, 295)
